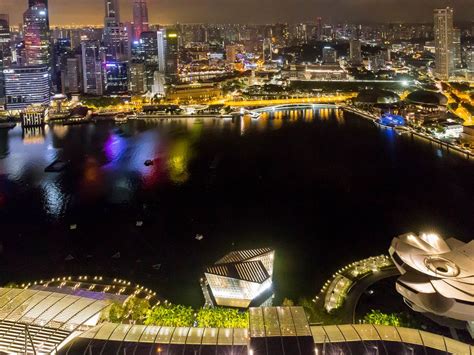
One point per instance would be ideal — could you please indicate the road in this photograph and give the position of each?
(350, 305)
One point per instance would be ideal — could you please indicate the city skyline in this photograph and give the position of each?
(265, 11)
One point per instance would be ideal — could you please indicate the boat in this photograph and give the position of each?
(57, 166)
(121, 118)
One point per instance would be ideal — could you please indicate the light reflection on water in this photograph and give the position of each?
(303, 181)
(110, 158)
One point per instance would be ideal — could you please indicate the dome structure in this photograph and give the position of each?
(429, 98)
(376, 96)
(437, 274)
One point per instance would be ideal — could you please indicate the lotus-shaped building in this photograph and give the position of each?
(437, 274)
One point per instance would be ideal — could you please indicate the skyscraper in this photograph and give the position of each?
(92, 77)
(115, 35)
(140, 18)
(160, 38)
(355, 51)
(20, 93)
(4, 31)
(329, 55)
(112, 12)
(172, 55)
(36, 35)
(457, 49)
(443, 33)
(32, 3)
(319, 29)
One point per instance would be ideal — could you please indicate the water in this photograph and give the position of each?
(322, 187)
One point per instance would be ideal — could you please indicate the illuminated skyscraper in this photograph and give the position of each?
(36, 35)
(443, 33)
(32, 3)
(160, 37)
(115, 34)
(457, 49)
(329, 55)
(172, 55)
(140, 18)
(92, 77)
(112, 12)
(116, 77)
(267, 49)
(355, 51)
(319, 29)
(5, 41)
(20, 93)
(4, 31)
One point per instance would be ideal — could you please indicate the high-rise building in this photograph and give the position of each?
(443, 33)
(112, 13)
(115, 36)
(231, 52)
(5, 51)
(116, 77)
(470, 60)
(457, 49)
(319, 29)
(72, 83)
(116, 43)
(150, 57)
(172, 55)
(5, 36)
(36, 35)
(25, 86)
(355, 55)
(267, 49)
(161, 45)
(329, 55)
(32, 3)
(92, 77)
(140, 18)
(137, 78)
(61, 51)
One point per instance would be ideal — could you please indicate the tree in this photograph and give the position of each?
(222, 318)
(135, 309)
(115, 313)
(379, 318)
(170, 316)
(288, 303)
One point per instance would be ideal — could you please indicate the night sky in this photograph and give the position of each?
(251, 11)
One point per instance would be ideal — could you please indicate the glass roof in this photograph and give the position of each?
(368, 332)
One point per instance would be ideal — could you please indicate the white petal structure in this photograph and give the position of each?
(437, 274)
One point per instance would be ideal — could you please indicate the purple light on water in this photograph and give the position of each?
(114, 147)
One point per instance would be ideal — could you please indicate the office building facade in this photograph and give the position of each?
(25, 86)
(140, 18)
(444, 34)
(37, 36)
(92, 74)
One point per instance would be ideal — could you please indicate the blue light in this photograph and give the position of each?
(392, 120)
